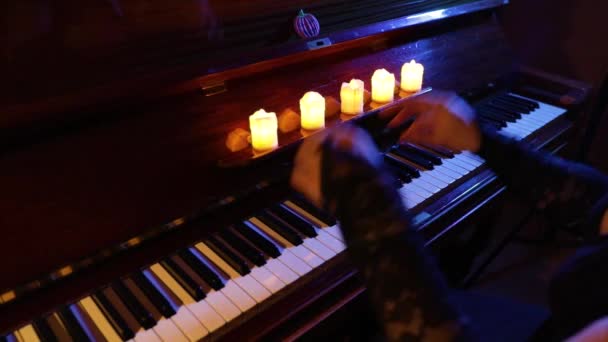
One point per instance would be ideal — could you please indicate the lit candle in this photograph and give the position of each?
(351, 97)
(411, 76)
(263, 128)
(312, 110)
(383, 86)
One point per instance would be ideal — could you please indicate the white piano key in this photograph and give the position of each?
(418, 190)
(319, 249)
(455, 167)
(89, 306)
(294, 263)
(231, 289)
(468, 161)
(28, 334)
(184, 317)
(534, 120)
(508, 132)
(167, 331)
(432, 189)
(147, 336)
(307, 255)
(460, 162)
(267, 279)
(440, 176)
(222, 305)
(516, 126)
(442, 169)
(291, 261)
(238, 296)
(410, 196)
(335, 232)
(527, 123)
(471, 156)
(330, 241)
(280, 270)
(207, 315)
(427, 177)
(256, 290)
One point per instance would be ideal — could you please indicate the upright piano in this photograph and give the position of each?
(124, 214)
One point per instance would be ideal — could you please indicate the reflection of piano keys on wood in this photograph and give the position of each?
(268, 264)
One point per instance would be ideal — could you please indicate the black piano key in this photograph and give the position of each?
(72, 325)
(43, 330)
(416, 159)
(200, 268)
(506, 112)
(310, 208)
(293, 220)
(112, 315)
(258, 240)
(501, 117)
(228, 256)
(156, 298)
(531, 104)
(435, 159)
(401, 177)
(523, 109)
(235, 241)
(194, 290)
(412, 171)
(442, 151)
(499, 113)
(58, 328)
(138, 311)
(498, 124)
(280, 228)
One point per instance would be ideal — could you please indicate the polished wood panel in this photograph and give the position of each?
(58, 46)
(67, 60)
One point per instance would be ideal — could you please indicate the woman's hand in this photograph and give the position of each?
(442, 119)
(306, 174)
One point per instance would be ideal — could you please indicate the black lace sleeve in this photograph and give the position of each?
(568, 193)
(406, 288)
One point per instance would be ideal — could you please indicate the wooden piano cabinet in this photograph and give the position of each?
(98, 165)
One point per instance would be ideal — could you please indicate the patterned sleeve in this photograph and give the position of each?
(568, 193)
(406, 288)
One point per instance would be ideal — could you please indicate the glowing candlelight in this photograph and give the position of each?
(312, 109)
(411, 76)
(263, 128)
(383, 86)
(351, 96)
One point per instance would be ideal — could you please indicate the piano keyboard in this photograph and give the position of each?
(197, 290)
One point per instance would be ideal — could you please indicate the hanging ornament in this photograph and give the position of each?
(306, 25)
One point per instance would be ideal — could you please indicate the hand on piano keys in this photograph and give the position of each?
(306, 175)
(441, 119)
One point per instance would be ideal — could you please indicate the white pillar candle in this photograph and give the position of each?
(383, 86)
(263, 128)
(352, 97)
(312, 110)
(411, 76)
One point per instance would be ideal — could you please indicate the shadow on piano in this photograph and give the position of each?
(87, 175)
